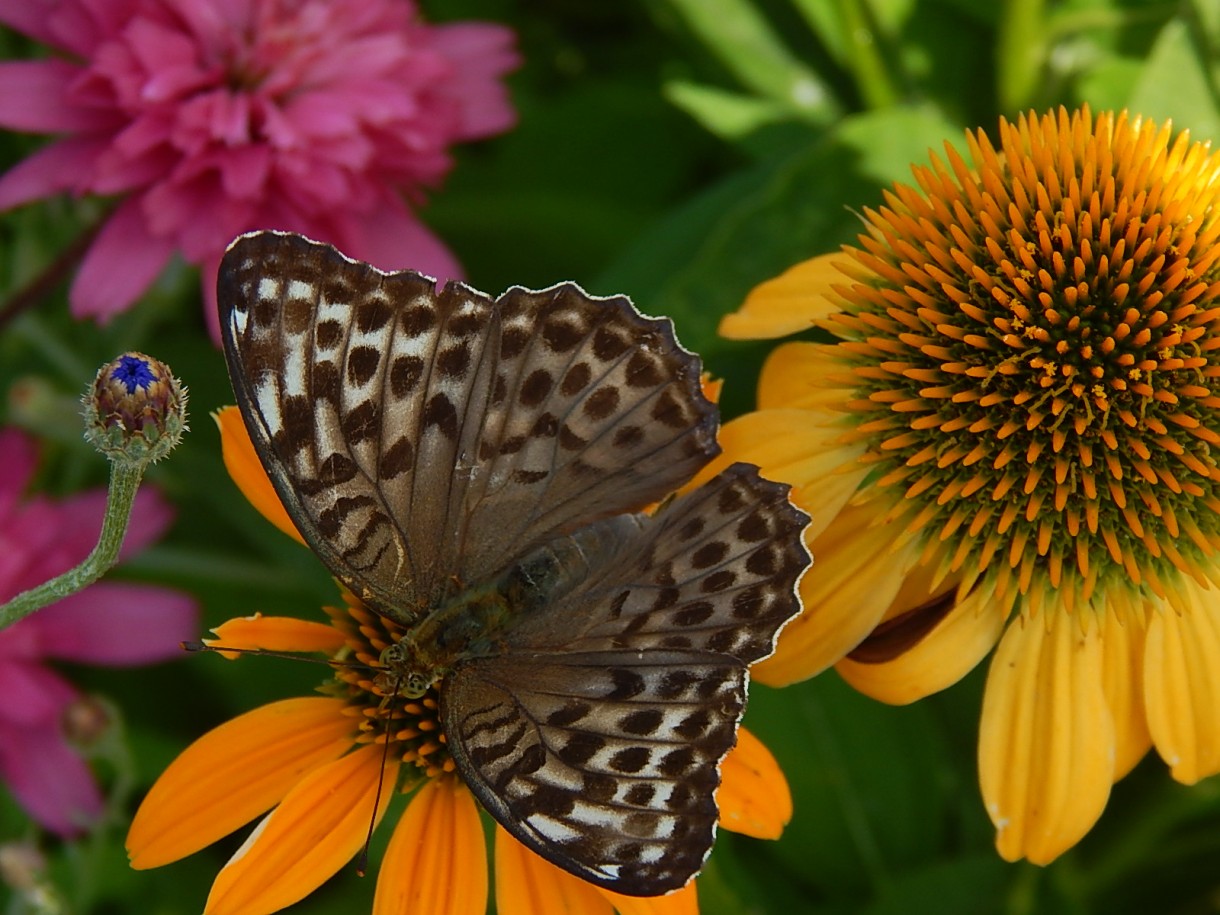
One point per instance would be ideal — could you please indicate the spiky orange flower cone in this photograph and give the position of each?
(314, 763)
(1012, 441)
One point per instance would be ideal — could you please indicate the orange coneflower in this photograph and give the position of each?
(314, 762)
(1014, 432)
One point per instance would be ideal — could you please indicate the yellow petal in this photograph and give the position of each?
(1124, 637)
(1046, 741)
(794, 375)
(680, 902)
(243, 465)
(948, 652)
(528, 885)
(436, 863)
(233, 773)
(791, 446)
(1182, 683)
(276, 633)
(857, 569)
(754, 798)
(319, 826)
(794, 301)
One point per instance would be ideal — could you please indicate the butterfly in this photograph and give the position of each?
(477, 471)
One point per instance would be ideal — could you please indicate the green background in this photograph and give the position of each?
(679, 151)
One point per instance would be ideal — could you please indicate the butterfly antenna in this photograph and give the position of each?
(196, 645)
(363, 861)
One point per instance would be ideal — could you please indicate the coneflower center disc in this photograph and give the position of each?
(1032, 346)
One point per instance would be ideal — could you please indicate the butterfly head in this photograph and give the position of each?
(401, 674)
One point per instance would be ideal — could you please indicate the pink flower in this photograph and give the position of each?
(214, 117)
(108, 623)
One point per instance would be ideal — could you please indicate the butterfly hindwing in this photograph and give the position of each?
(423, 440)
(610, 707)
(604, 764)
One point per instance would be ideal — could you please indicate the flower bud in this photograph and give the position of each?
(135, 410)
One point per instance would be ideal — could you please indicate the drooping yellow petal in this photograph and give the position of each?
(319, 826)
(1182, 682)
(790, 447)
(528, 885)
(436, 862)
(233, 773)
(680, 902)
(243, 465)
(794, 376)
(857, 570)
(1124, 636)
(276, 633)
(1046, 741)
(948, 652)
(754, 798)
(794, 301)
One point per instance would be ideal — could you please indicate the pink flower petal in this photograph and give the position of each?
(35, 97)
(34, 696)
(48, 779)
(120, 265)
(119, 625)
(34, 18)
(392, 238)
(67, 165)
(18, 457)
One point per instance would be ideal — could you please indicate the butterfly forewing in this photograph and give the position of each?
(596, 737)
(423, 440)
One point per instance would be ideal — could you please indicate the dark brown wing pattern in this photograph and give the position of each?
(596, 737)
(423, 440)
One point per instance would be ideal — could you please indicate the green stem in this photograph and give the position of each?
(1021, 53)
(125, 479)
(868, 62)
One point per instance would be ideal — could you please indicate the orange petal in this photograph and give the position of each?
(528, 885)
(680, 902)
(1124, 636)
(950, 650)
(319, 826)
(1182, 682)
(436, 862)
(794, 301)
(1046, 740)
(241, 460)
(793, 446)
(276, 633)
(857, 569)
(754, 798)
(794, 375)
(233, 773)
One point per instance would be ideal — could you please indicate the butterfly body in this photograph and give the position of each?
(478, 471)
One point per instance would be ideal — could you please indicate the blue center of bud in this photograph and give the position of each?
(133, 373)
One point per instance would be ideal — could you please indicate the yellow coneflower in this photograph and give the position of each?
(1014, 433)
(314, 763)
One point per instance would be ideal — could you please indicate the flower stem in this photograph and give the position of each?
(51, 276)
(124, 481)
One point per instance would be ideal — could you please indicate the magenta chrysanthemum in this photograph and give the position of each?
(213, 117)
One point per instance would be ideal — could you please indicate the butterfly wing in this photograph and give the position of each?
(603, 763)
(422, 440)
(596, 736)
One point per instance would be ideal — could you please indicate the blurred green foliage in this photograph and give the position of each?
(679, 151)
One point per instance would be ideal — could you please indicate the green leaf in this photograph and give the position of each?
(748, 46)
(729, 115)
(1176, 83)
